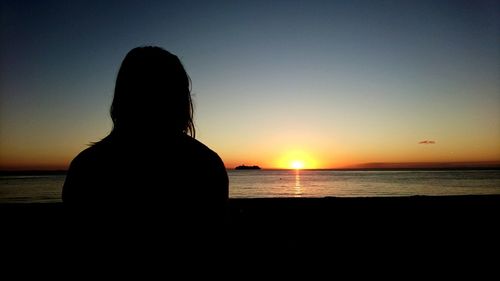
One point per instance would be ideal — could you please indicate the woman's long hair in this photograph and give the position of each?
(152, 94)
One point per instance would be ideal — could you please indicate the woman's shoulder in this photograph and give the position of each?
(94, 153)
(199, 146)
(201, 150)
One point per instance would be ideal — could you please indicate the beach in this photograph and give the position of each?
(394, 235)
(403, 225)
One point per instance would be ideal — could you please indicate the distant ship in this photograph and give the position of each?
(243, 167)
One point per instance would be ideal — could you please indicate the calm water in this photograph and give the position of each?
(268, 183)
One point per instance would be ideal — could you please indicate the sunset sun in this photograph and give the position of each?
(297, 159)
(297, 164)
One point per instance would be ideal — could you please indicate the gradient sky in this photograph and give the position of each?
(329, 83)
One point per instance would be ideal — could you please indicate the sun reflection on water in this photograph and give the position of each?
(298, 187)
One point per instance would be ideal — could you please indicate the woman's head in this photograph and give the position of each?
(152, 94)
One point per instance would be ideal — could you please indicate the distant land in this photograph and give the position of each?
(31, 172)
(244, 167)
(427, 165)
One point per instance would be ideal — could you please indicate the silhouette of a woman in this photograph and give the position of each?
(150, 160)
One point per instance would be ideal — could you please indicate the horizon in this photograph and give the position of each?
(363, 166)
(315, 85)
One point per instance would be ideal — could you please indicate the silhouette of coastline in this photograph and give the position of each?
(32, 172)
(244, 167)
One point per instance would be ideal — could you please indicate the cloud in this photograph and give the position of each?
(427, 142)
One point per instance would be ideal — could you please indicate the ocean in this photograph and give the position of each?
(300, 183)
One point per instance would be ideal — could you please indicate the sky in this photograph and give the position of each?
(325, 84)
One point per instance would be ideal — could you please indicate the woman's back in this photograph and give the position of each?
(149, 166)
(115, 171)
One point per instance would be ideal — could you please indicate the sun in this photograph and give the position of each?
(297, 164)
(297, 159)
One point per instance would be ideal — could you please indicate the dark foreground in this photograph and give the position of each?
(450, 227)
